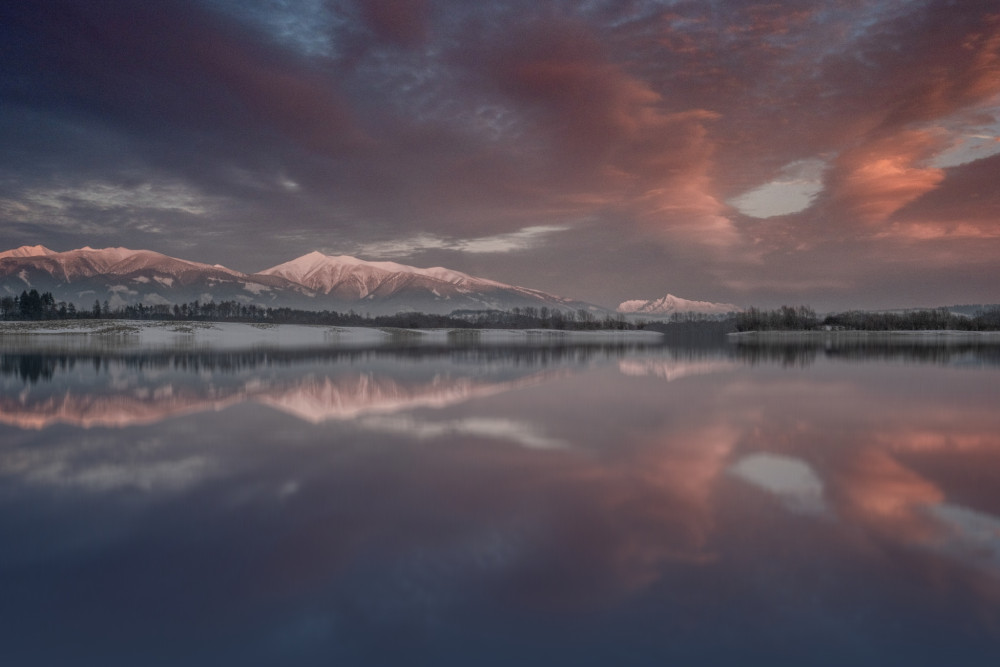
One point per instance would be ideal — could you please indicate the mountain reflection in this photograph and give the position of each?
(126, 391)
(92, 390)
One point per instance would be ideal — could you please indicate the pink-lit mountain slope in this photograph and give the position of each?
(123, 276)
(27, 251)
(671, 304)
(314, 281)
(399, 287)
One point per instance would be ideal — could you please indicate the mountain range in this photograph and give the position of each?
(671, 304)
(314, 281)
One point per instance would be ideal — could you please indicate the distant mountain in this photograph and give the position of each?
(671, 304)
(964, 310)
(393, 287)
(27, 251)
(123, 276)
(973, 309)
(314, 281)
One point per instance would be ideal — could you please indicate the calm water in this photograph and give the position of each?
(553, 506)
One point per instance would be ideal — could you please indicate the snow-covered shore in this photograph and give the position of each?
(149, 335)
(928, 336)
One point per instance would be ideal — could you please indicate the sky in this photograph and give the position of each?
(838, 153)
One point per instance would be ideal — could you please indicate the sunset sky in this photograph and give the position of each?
(836, 153)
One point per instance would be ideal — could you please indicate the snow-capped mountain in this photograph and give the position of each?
(393, 287)
(27, 251)
(671, 304)
(326, 274)
(123, 276)
(314, 281)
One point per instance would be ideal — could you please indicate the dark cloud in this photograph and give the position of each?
(347, 123)
(399, 22)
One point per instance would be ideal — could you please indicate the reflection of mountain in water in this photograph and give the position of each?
(673, 369)
(40, 391)
(320, 399)
(37, 390)
(37, 367)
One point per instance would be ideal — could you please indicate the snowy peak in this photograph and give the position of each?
(90, 261)
(454, 277)
(106, 254)
(392, 287)
(27, 251)
(343, 275)
(87, 261)
(673, 304)
(140, 260)
(299, 269)
(325, 273)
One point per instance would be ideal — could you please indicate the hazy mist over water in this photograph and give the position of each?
(578, 505)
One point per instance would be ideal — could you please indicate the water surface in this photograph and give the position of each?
(591, 505)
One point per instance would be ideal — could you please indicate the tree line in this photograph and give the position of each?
(31, 305)
(804, 318)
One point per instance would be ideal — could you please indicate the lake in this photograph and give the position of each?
(593, 504)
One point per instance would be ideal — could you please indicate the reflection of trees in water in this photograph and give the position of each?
(786, 354)
(44, 366)
(707, 335)
(805, 352)
(33, 367)
(38, 367)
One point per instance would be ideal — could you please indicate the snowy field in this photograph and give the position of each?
(146, 335)
(928, 336)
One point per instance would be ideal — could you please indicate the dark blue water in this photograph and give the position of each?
(554, 506)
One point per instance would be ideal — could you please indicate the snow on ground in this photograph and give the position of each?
(145, 335)
(930, 335)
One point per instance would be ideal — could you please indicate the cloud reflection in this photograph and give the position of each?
(794, 482)
(511, 430)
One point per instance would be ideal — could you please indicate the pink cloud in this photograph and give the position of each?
(873, 181)
(613, 141)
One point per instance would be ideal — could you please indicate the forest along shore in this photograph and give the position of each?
(804, 319)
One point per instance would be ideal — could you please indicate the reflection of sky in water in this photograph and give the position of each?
(602, 507)
(793, 481)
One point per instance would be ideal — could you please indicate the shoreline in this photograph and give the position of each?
(929, 336)
(144, 335)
